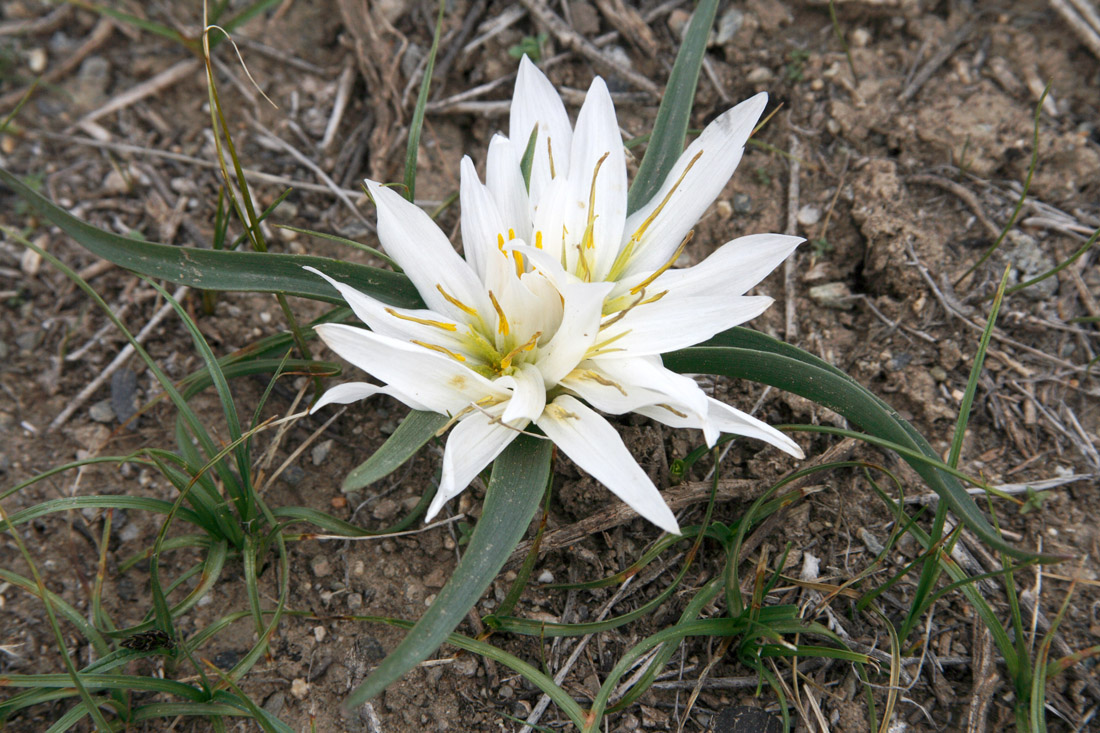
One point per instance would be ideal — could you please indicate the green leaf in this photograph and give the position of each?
(417, 429)
(782, 366)
(208, 269)
(666, 142)
(515, 490)
(417, 122)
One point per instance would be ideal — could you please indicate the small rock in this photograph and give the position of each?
(546, 577)
(506, 692)
(861, 37)
(299, 688)
(723, 208)
(832, 295)
(102, 412)
(29, 262)
(319, 633)
(938, 373)
(759, 75)
(320, 452)
(320, 566)
(677, 22)
(742, 203)
(89, 88)
(354, 601)
(808, 216)
(1028, 260)
(130, 532)
(586, 19)
(124, 394)
(275, 703)
(36, 60)
(293, 475)
(115, 183)
(728, 25)
(227, 659)
(385, 509)
(466, 665)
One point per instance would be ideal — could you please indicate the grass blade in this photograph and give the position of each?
(515, 491)
(417, 429)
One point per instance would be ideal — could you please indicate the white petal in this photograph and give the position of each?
(595, 136)
(342, 394)
(397, 322)
(580, 326)
(437, 382)
(733, 269)
(550, 220)
(472, 444)
(505, 182)
(481, 222)
(617, 386)
(591, 443)
(678, 322)
(726, 419)
(536, 101)
(528, 394)
(414, 241)
(721, 144)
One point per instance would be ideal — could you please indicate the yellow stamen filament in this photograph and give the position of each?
(655, 298)
(441, 349)
(487, 400)
(423, 321)
(628, 251)
(502, 321)
(671, 409)
(550, 154)
(660, 270)
(511, 234)
(506, 362)
(538, 240)
(500, 242)
(600, 379)
(599, 348)
(456, 302)
(518, 256)
(584, 262)
(619, 316)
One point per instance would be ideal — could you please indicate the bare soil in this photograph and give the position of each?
(906, 173)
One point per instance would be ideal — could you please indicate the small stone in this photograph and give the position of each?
(320, 566)
(759, 75)
(354, 601)
(102, 412)
(728, 25)
(808, 216)
(861, 37)
(938, 373)
(832, 126)
(742, 203)
(115, 183)
(466, 665)
(124, 394)
(36, 60)
(319, 633)
(385, 509)
(832, 295)
(338, 502)
(130, 532)
(320, 452)
(723, 208)
(299, 688)
(586, 19)
(677, 21)
(293, 475)
(29, 262)
(275, 703)
(546, 577)
(7, 144)
(506, 692)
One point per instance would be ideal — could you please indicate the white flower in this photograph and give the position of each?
(561, 298)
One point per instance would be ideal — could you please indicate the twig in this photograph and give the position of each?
(1016, 488)
(1082, 20)
(33, 26)
(964, 194)
(573, 40)
(339, 105)
(945, 51)
(150, 86)
(791, 332)
(99, 35)
(117, 362)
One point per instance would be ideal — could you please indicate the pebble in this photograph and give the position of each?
(506, 692)
(466, 665)
(1029, 260)
(124, 394)
(102, 411)
(299, 688)
(759, 75)
(320, 452)
(728, 25)
(319, 633)
(861, 37)
(809, 215)
(742, 203)
(320, 566)
(89, 89)
(546, 577)
(293, 475)
(938, 373)
(115, 183)
(586, 19)
(385, 509)
(275, 704)
(130, 532)
(36, 60)
(832, 295)
(677, 21)
(354, 601)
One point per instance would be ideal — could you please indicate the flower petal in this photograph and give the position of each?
(528, 394)
(436, 382)
(591, 443)
(616, 386)
(481, 222)
(505, 182)
(726, 419)
(536, 101)
(719, 148)
(733, 269)
(342, 394)
(414, 241)
(472, 444)
(596, 136)
(677, 322)
(580, 325)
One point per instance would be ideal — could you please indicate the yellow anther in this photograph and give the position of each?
(628, 251)
(520, 269)
(600, 379)
(654, 298)
(423, 321)
(456, 302)
(660, 270)
(500, 242)
(440, 349)
(506, 362)
(672, 409)
(502, 321)
(538, 239)
(511, 234)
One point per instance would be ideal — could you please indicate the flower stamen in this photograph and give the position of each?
(672, 409)
(671, 261)
(441, 349)
(600, 379)
(456, 302)
(506, 362)
(423, 321)
(502, 320)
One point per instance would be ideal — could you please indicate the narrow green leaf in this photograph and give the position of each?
(263, 272)
(515, 490)
(670, 128)
(528, 158)
(417, 122)
(417, 429)
(842, 395)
